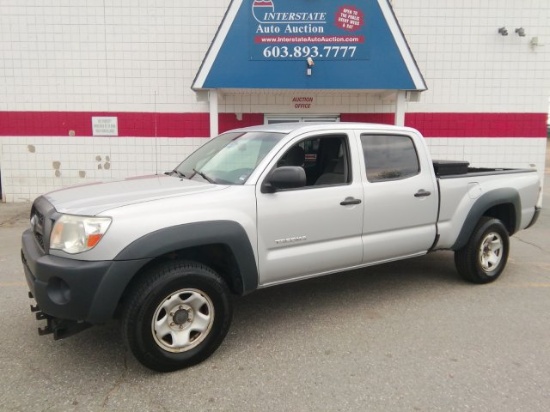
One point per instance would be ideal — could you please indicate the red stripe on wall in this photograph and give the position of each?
(198, 124)
(478, 124)
(80, 124)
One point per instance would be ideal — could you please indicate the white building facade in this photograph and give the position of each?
(99, 90)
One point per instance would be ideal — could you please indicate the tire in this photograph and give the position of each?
(176, 316)
(484, 257)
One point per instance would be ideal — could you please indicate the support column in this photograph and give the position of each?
(213, 102)
(400, 106)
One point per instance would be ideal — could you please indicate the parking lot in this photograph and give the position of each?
(406, 336)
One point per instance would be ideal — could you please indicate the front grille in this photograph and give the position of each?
(37, 224)
(40, 239)
(41, 215)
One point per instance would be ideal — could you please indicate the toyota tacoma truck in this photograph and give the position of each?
(253, 208)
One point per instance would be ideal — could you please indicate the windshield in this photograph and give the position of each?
(229, 158)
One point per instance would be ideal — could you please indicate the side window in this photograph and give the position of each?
(325, 159)
(389, 157)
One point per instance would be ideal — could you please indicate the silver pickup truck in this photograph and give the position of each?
(252, 208)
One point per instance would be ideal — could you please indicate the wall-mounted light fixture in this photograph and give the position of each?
(503, 31)
(520, 32)
(310, 63)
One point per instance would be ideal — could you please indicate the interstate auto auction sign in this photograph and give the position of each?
(309, 45)
(298, 29)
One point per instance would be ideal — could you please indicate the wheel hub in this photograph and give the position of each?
(182, 316)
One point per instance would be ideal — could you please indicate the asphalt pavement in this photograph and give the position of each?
(406, 336)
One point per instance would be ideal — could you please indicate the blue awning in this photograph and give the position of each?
(305, 44)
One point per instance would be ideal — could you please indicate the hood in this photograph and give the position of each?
(95, 198)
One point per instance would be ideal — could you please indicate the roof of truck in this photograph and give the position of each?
(305, 127)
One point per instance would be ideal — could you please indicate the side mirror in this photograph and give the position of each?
(284, 177)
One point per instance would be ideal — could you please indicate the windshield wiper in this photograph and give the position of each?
(175, 172)
(205, 177)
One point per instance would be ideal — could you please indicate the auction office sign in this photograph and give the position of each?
(301, 29)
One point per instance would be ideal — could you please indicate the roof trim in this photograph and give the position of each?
(403, 45)
(216, 44)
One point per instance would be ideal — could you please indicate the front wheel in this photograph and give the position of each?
(176, 316)
(484, 257)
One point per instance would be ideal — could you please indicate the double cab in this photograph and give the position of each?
(253, 208)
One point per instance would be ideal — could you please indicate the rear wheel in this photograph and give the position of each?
(177, 316)
(484, 257)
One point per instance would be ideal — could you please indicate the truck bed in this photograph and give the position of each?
(446, 169)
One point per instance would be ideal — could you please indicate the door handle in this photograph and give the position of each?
(350, 201)
(422, 193)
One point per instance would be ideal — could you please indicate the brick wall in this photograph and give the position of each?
(65, 61)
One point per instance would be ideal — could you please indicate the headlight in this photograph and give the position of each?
(76, 234)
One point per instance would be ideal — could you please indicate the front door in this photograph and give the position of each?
(314, 229)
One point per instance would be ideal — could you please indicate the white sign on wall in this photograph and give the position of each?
(105, 126)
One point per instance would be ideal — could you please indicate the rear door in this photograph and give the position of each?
(400, 197)
(316, 228)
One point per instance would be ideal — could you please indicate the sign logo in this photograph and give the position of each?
(260, 7)
(264, 12)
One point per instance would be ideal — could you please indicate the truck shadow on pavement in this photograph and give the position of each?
(364, 295)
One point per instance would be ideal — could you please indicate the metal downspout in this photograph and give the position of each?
(213, 103)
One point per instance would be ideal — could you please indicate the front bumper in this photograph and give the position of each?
(63, 288)
(70, 289)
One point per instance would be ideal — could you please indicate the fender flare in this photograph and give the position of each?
(479, 208)
(225, 232)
